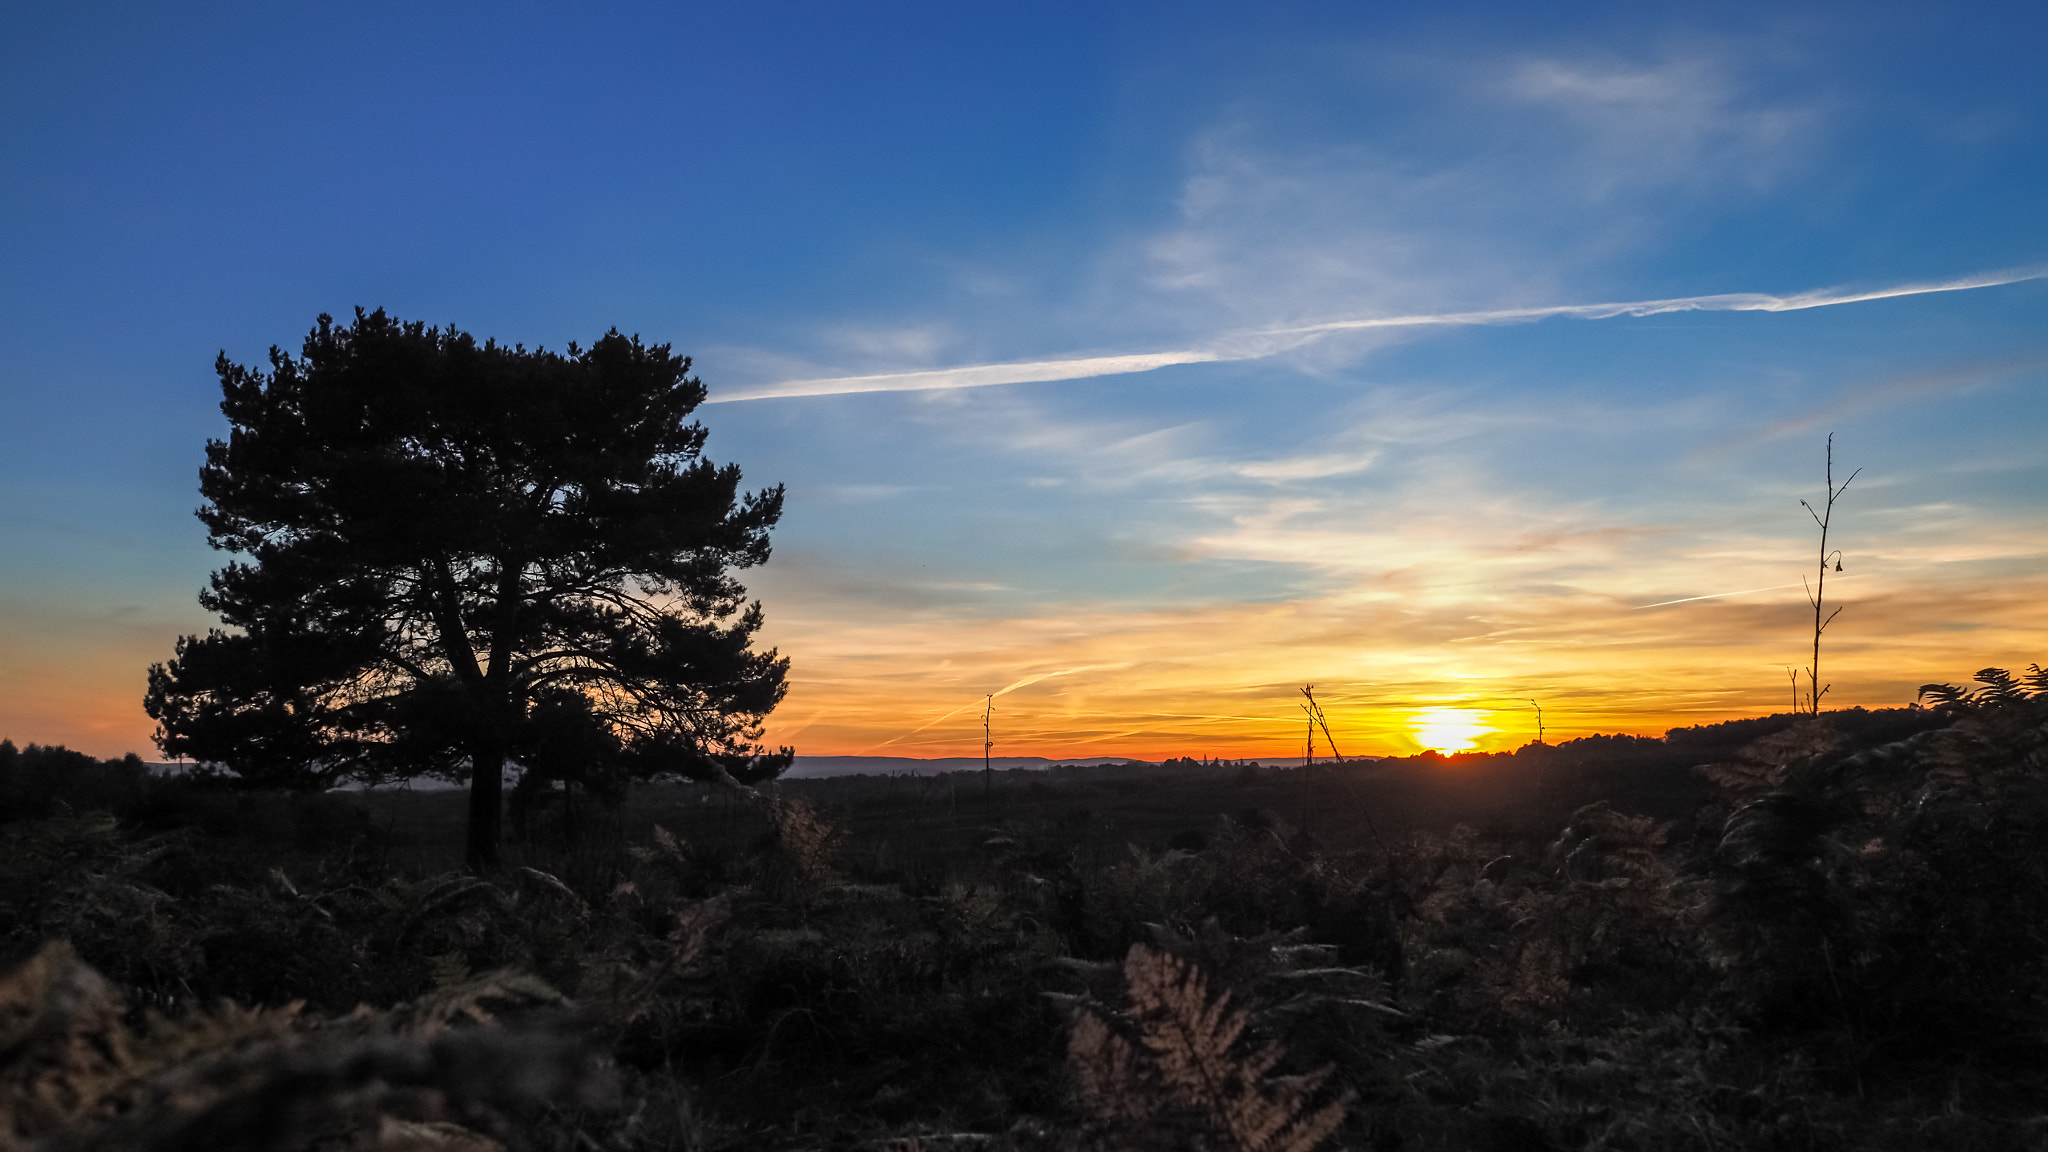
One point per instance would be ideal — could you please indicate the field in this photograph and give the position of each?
(1779, 933)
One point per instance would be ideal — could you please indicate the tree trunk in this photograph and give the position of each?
(486, 805)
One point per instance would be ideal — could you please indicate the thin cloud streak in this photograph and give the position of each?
(975, 376)
(1258, 345)
(1030, 680)
(1724, 302)
(1025, 682)
(1715, 596)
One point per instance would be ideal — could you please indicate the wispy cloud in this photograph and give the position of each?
(1448, 531)
(1634, 124)
(1861, 397)
(1262, 343)
(1310, 467)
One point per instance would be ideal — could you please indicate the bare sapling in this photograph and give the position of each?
(1816, 592)
(1308, 760)
(1314, 712)
(1316, 720)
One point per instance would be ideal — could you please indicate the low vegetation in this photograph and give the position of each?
(1789, 932)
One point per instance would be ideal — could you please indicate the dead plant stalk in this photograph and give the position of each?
(1816, 593)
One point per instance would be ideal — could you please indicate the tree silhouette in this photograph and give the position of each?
(459, 553)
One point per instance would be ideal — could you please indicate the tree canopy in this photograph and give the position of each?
(452, 554)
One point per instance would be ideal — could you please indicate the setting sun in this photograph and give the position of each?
(1447, 729)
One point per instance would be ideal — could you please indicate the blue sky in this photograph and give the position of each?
(1460, 511)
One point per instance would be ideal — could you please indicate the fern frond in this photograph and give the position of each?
(75, 1074)
(1189, 1033)
(1107, 1072)
(1943, 695)
(1763, 764)
(473, 1000)
(807, 838)
(686, 942)
(1278, 1119)
(440, 894)
(1190, 1061)
(1999, 687)
(551, 884)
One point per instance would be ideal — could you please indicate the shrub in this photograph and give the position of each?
(1892, 894)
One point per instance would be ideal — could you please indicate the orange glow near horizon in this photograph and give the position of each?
(1400, 662)
(1224, 680)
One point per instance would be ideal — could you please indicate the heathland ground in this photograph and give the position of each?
(1788, 932)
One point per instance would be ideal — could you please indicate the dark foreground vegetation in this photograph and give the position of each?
(1797, 933)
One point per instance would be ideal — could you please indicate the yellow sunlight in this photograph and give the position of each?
(1447, 729)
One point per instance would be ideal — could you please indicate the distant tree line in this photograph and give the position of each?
(45, 780)
(1210, 762)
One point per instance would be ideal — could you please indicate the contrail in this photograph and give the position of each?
(1261, 343)
(1028, 680)
(972, 376)
(1722, 595)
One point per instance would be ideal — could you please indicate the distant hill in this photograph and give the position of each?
(805, 768)
(814, 767)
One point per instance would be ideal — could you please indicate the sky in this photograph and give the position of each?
(1133, 364)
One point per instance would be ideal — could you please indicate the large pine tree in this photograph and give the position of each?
(452, 555)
